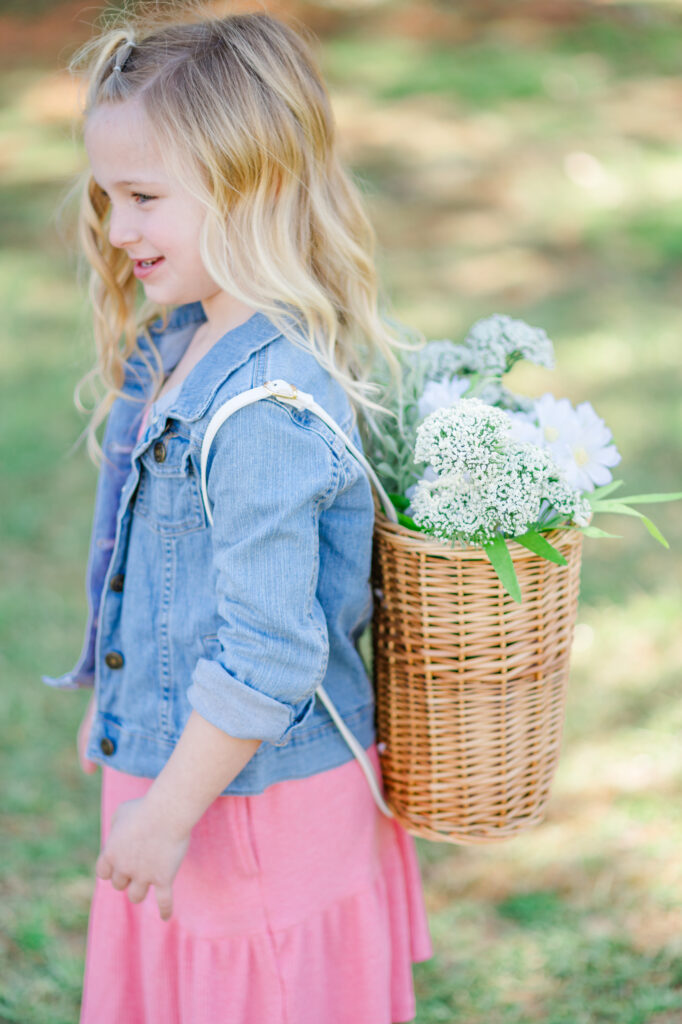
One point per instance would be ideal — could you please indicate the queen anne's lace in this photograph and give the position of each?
(438, 359)
(497, 342)
(487, 482)
(491, 348)
(463, 437)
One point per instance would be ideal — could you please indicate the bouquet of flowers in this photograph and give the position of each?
(498, 465)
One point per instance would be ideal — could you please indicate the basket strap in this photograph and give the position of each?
(288, 394)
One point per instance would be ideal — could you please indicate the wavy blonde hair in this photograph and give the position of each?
(239, 108)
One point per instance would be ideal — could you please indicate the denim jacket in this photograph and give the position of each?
(244, 619)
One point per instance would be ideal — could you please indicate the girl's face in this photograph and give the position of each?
(153, 218)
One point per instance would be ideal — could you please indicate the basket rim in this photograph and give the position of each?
(424, 543)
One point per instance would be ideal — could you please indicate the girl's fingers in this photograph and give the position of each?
(103, 867)
(164, 899)
(119, 881)
(137, 891)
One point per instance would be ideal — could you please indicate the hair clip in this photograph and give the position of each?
(129, 43)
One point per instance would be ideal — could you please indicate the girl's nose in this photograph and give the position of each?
(122, 229)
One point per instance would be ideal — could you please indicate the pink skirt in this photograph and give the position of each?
(301, 905)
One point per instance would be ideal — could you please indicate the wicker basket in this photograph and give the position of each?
(470, 685)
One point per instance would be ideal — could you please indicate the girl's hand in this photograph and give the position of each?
(143, 850)
(86, 764)
(150, 837)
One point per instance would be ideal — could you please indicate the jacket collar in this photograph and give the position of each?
(223, 358)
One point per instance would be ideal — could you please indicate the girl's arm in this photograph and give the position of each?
(204, 762)
(149, 837)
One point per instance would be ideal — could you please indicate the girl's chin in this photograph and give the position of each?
(167, 293)
(164, 294)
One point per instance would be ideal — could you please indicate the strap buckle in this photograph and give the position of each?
(281, 389)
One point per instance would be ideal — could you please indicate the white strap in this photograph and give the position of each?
(286, 393)
(357, 749)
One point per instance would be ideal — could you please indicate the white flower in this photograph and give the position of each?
(564, 500)
(555, 418)
(429, 475)
(439, 394)
(439, 358)
(481, 481)
(496, 342)
(531, 343)
(491, 348)
(579, 440)
(524, 428)
(464, 438)
(516, 491)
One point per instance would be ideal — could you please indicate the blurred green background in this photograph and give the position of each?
(522, 158)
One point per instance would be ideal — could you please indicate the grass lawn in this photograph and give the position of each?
(511, 162)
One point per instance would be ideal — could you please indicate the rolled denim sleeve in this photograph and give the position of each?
(268, 478)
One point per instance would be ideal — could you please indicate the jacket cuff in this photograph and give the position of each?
(240, 710)
(71, 681)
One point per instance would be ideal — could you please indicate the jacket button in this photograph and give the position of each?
(114, 659)
(116, 582)
(107, 746)
(159, 451)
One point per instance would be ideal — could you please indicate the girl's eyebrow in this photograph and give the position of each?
(136, 181)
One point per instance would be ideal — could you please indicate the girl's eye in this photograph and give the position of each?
(142, 197)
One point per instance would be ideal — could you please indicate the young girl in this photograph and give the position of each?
(246, 874)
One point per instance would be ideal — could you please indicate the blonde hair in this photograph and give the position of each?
(240, 110)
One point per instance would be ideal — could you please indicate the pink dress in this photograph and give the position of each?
(300, 905)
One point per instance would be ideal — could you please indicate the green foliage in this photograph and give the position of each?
(501, 561)
(535, 542)
(622, 506)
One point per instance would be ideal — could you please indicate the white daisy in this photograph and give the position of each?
(580, 442)
(441, 394)
(524, 428)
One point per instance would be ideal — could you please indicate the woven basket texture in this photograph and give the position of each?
(470, 685)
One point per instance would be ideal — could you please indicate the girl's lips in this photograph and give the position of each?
(140, 270)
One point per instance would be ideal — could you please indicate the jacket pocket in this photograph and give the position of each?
(168, 492)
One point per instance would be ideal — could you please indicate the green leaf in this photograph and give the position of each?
(400, 501)
(539, 545)
(594, 531)
(390, 443)
(643, 499)
(600, 492)
(501, 561)
(617, 507)
(614, 506)
(407, 521)
(654, 531)
(550, 524)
